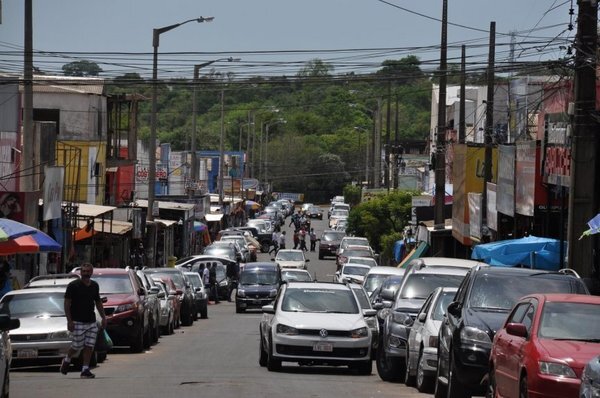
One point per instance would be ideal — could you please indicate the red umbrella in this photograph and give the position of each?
(33, 243)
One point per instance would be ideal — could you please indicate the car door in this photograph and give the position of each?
(416, 333)
(266, 322)
(517, 349)
(504, 350)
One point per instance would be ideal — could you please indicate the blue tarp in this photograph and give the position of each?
(513, 252)
(400, 248)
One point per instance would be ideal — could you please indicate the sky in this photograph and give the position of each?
(274, 37)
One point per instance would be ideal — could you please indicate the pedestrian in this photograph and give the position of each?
(303, 240)
(296, 238)
(282, 240)
(81, 296)
(232, 274)
(206, 275)
(274, 241)
(313, 240)
(212, 281)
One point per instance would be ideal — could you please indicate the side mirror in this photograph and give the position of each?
(369, 312)
(516, 329)
(387, 295)
(377, 306)
(154, 290)
(198, 289)
(454, 309)
(141, 291)
(178, 292)
(307, 260)
(422, 316)
(268, 309)
(8, 323)
(161, 295)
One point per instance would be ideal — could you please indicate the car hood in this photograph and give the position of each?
(489, 321)
(113, 300)
(249, 289)
(357, 278)
(411, 306)
(35, 325)
(311, 320)
(576, 353)
(290, 264)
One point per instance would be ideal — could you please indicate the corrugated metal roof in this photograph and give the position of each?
(118, 227)
(213, 217)
(67, 84)
(166, 205)
(87, 210)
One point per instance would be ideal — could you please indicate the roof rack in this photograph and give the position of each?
(569, 271)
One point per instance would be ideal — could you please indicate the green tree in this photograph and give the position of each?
(316, 68)
(404, 71)
(81, 68)
(352, 194)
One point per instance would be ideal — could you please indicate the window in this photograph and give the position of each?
(518, 313)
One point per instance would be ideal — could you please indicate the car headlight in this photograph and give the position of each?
(285, 329)
(223, 282)
(402, 318)
(471, 335)
(125, 307)
(556, 369)
(63, 334)
(273, 293)
(241, 293)
(383, 313)
(371, 322)
(359, 333)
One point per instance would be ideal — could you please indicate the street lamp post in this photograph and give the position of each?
(194, 173)
(279, 121)
(152, 155)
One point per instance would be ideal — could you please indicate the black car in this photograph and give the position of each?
(257, 286)
(182, 284)
(480, 307)
(329, 243)
(314, 212)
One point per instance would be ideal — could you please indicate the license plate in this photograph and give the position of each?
(256, 301)
(27, 353)
(323, 347)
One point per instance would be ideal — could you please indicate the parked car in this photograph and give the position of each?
(329, 243)
(385, 293)
(543, 346)
(354, 273)
(421, 351)
(337, 215)
(314, 212)
(315, 323)
(371, 320)
(200, 294)
(186, 297)
(354, 251)
(376, 275)
(6, 353)
(51, 280)
(352, 241)
(590, 379)
(295, 275)
(168, 301)
(126, 307)
(223, 249)
(480, 307)
(153, 303)
(173, 297)
(257, 286)
(241, 246)
(416, 286)
(291, 258)
(194, 264)
(42, 336)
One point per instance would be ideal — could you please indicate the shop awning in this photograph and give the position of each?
(213, 217)
(118, 228)
(87, 210)
(167, 205)
(166, 223)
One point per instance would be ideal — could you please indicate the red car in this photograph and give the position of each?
(544, 345)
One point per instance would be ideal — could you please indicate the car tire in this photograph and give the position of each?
(204, 310)
(262, 359)
(523, 389)
(455, 388)
(389, 369)
(155, 329)
(171, 324)
(6, 384)
(148, 337)
(273, 364)
(137, 344)
(409, 379)
(422, 381)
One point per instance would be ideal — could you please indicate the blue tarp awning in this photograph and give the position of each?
(531, 251)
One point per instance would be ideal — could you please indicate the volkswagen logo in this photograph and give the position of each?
(323, 333)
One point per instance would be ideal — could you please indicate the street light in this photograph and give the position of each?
(194, 161)
(278, 121)
(152, 159)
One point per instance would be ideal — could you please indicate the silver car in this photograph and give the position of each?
(590, 380)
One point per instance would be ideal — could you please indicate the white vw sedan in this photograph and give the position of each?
(315, 324)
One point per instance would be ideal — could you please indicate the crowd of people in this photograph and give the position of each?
(302, 233)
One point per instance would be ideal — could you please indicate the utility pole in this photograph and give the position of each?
(396, 140)
(27, 168)
(583, 190)
(377, 146)
(388, 117)
(440, 147)
(489, 122)
(462, 127)
(222, 149)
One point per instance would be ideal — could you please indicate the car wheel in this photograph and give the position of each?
(171, 325)
(409, 379)
(273, 364)
(422, 381)
(262, 359)
(155, 329)
(148, 337)
(204, 310)
(389, 369)
(137, 344)
(455, 388)
(523, 390)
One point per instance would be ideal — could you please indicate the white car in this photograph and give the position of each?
(422, 341)
(353, 241)
(376, 276)
(296, 275)
(291, 258)
(337, 215)
(371, 262)
(354, 273)
(315, 324)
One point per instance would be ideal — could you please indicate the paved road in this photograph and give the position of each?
(216, 357)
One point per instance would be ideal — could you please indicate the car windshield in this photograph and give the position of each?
(441, 304)
(319, 300)
(114, 284)
(228, 252)
(356, 241)
(420, 286)
(175, 276)
(261, 277)
(363, 260)
(289, 256)
(337, 213)
(34, 304)
(351, 270)
(373, 281)
(363, 300)
(295, 276)
(570, 321)
(501, 292)
(331, 236)
(357, 253)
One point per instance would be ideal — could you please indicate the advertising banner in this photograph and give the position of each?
(492, 213)
(53, 192)
(525, 178)
(506, 180)
(475, 206)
